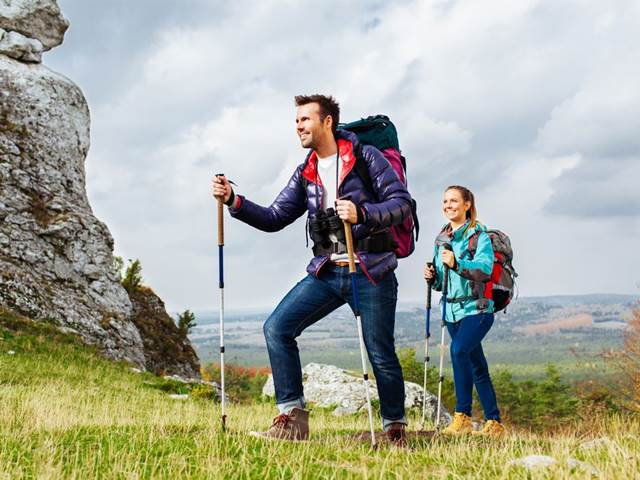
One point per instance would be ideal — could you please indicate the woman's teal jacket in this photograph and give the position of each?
(468, 292)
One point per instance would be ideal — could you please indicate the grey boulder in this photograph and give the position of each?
(328, 386)
(37, 19)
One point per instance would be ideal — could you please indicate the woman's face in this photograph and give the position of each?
(454, 207)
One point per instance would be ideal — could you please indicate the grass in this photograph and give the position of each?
(67, 413)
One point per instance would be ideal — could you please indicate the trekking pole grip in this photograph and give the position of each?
(349, 238)
(220, 223)
(445, 286)
(429, 285)
(220, 217)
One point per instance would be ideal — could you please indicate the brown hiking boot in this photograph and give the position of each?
(461, 425)
(396, 435)
(492, 428)
(293, 426)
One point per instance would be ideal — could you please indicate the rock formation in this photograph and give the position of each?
(165, 349)
(56, 258)
(330, 386)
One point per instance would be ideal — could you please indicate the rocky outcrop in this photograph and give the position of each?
(56, 257)
(16, 45)
(165, 348)
(332, 387)
(37, 19)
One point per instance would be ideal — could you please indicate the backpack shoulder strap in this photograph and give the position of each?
(363, 170)
(473, 243)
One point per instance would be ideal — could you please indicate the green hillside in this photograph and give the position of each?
(67, 413)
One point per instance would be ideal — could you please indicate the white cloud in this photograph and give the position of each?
(532, 104)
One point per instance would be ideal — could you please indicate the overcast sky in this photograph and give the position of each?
(534, 105)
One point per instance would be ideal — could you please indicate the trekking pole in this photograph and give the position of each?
(223, 418)
(445, 286)
(356, 312)
(427, 336)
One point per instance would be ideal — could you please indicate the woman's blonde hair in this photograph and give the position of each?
(467, 196)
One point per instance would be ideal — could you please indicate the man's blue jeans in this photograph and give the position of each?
(470, 365)
(312, 299)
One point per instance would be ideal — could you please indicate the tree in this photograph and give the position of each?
(186, 321)
(132, 276)
(626, 364)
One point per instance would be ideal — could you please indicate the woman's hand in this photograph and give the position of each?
(221, 188)
(448, 258)
(429, 273)
(346, 210)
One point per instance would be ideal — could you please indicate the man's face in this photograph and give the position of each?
(311, 130)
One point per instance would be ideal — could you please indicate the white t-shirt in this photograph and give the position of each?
(327, 174)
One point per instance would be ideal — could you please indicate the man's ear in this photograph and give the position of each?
(328, 121)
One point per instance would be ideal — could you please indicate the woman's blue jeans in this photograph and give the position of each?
(312, 299)
(470, 365)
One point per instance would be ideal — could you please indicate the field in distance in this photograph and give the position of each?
(568, 331)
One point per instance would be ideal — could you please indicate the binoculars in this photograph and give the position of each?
(326, 228)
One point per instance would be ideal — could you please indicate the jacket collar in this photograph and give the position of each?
(463, 232)
(345, 150)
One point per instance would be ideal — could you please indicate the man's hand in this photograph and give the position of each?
(448, 258)
(221, 188)
(346, 210)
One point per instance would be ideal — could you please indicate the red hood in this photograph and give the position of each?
(345, 149)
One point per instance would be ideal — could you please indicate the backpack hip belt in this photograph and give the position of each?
(379, 243)
(462, 299)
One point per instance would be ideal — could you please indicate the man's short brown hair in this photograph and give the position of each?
(328, 106)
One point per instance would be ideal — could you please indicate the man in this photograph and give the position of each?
(326, 180)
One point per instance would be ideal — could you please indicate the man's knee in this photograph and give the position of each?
(271, 330)
(275, 328)
(383, 359)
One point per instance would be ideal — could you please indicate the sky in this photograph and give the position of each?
(533, 105)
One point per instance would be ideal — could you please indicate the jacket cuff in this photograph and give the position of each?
(236, 205)
(362, 217)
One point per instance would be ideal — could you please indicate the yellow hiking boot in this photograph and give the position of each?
(492, 428)
(461, 425)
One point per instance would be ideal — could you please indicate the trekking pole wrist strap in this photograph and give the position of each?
(231, 199)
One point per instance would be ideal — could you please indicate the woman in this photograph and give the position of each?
(469, 308)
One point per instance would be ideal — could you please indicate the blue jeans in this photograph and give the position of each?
(470, 365)
(312, 299)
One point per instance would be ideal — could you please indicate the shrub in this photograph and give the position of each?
(205, 392)
(132, 276)
(529, 403)
(186, 321)
(536, 404)
(413, 371)
(624, 384)
(242, 384)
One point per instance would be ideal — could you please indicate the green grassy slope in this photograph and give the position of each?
(67, 413)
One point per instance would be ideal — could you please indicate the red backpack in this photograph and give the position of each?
(381, 133)
(503, 276)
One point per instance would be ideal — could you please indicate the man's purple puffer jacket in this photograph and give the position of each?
(390, 204)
